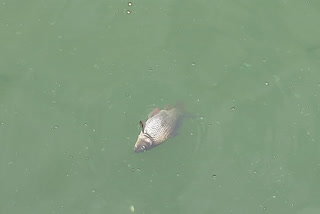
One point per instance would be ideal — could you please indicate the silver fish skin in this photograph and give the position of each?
(161, 125)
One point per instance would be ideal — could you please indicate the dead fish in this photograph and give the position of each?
(160, 125)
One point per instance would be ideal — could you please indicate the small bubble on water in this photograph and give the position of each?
(93, 190)
(214, 176)
(85, 124)
(193, 63)
(178, 174)
(71, 156)
(130, 4)
(233, 108)
(191, 133)
(87, 158)
(266, 83)
(133, 169)
(128, 12)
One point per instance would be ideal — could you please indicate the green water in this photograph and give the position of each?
(77, 76)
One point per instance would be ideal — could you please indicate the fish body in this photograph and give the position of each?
(160, 125)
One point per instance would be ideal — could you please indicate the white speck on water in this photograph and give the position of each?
(132, 208)
(128, 12)
(130, 4)
(246, 65)
(266, 83)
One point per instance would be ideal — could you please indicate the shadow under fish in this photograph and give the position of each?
(160, 125)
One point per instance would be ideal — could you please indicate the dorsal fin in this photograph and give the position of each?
(168, 107)
(142, 125)
(154, 112)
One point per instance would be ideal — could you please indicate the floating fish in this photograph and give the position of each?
(160, 125)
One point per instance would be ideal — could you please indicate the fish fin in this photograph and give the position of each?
(180, 106)
(173, 134)
(142, 125)
(154, 112)
(168, 107)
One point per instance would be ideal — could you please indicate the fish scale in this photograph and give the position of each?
(160, 126)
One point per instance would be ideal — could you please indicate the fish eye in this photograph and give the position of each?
(143, 147)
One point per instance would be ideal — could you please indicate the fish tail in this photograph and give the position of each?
(185, 114)
(180, 106)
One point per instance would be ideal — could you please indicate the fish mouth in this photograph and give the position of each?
(144, 143)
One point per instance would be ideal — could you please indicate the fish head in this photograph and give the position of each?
(144, 143)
